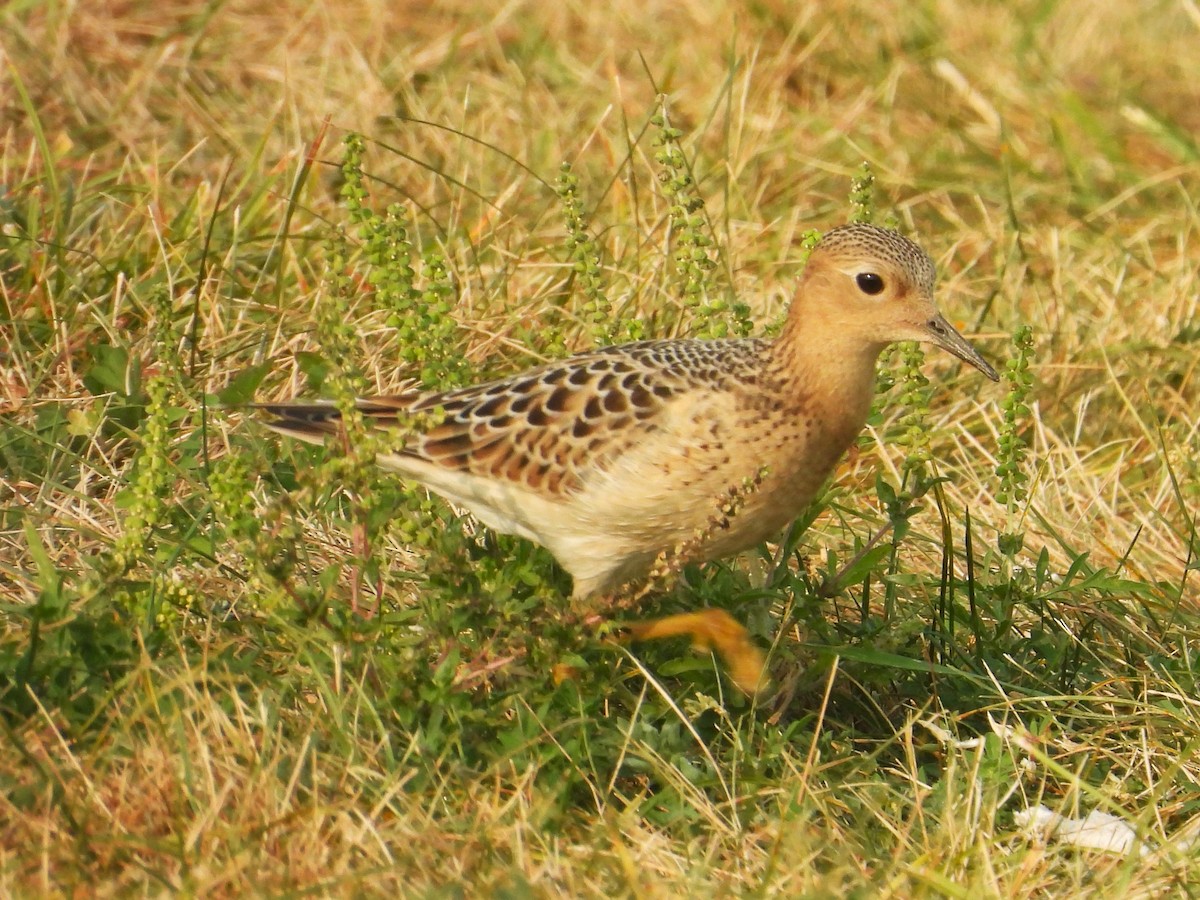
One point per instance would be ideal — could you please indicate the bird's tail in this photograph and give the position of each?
(314, 421)
(311, 422)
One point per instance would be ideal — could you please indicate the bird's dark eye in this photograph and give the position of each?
(869, 283)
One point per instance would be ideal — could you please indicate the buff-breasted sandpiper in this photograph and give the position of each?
(614, 457)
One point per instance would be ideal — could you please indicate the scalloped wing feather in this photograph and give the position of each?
(546, 429)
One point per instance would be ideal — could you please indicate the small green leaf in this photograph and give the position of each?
(884, 491)
(112, 372)
(243, 385)
(314, 366)
(858, 572)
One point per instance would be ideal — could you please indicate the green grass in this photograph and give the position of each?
(232, 666)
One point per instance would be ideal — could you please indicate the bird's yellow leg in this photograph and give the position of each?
(712, 629)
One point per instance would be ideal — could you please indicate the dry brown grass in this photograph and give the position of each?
(1043, 152)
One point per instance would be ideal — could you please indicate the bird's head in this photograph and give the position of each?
(874, 286)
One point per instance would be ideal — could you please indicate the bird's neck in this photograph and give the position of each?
(832, 369)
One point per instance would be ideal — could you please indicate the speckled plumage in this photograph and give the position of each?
(613, 456)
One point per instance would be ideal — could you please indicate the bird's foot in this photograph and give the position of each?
(717, 630)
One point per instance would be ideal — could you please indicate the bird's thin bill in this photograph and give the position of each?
(947, 337)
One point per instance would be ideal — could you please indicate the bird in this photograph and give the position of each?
(615, 457)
